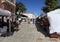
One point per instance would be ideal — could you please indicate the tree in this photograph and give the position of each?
(20, 7)
(50, 5)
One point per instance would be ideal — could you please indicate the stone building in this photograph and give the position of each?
(30, 15)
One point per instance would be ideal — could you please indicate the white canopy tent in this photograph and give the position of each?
(5, 12)
(54, 19)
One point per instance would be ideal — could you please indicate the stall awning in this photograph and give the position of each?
(5, 12)
(23, 15)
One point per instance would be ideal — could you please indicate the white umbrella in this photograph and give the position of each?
(5, 12)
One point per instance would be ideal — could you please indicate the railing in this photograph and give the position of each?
(12, 2)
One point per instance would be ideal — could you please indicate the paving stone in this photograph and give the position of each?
(28, 33)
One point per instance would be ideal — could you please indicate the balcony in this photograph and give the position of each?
(11, 2)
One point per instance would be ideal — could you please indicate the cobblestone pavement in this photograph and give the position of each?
(28, 33)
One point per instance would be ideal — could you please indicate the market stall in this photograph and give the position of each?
(5, 13)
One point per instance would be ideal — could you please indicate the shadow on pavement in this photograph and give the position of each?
(42, 30)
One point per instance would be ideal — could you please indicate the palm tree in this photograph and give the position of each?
(20, 7)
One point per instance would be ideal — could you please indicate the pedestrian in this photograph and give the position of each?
(33, 20)
(28, 21)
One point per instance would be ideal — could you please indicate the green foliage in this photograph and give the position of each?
(18, 16)
(50, 5)
(20, 7)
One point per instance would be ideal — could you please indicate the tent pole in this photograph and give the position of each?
(2, 18)
(9, 26)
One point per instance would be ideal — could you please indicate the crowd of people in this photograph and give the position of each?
(8, 26)
(44, 22)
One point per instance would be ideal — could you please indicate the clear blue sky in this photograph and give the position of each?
(33, 6)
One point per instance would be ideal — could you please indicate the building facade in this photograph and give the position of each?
(30, 15)
(10, 6)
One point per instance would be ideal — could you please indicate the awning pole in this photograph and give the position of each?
(9, 26)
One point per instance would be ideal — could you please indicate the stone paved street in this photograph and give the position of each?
(27, 33)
